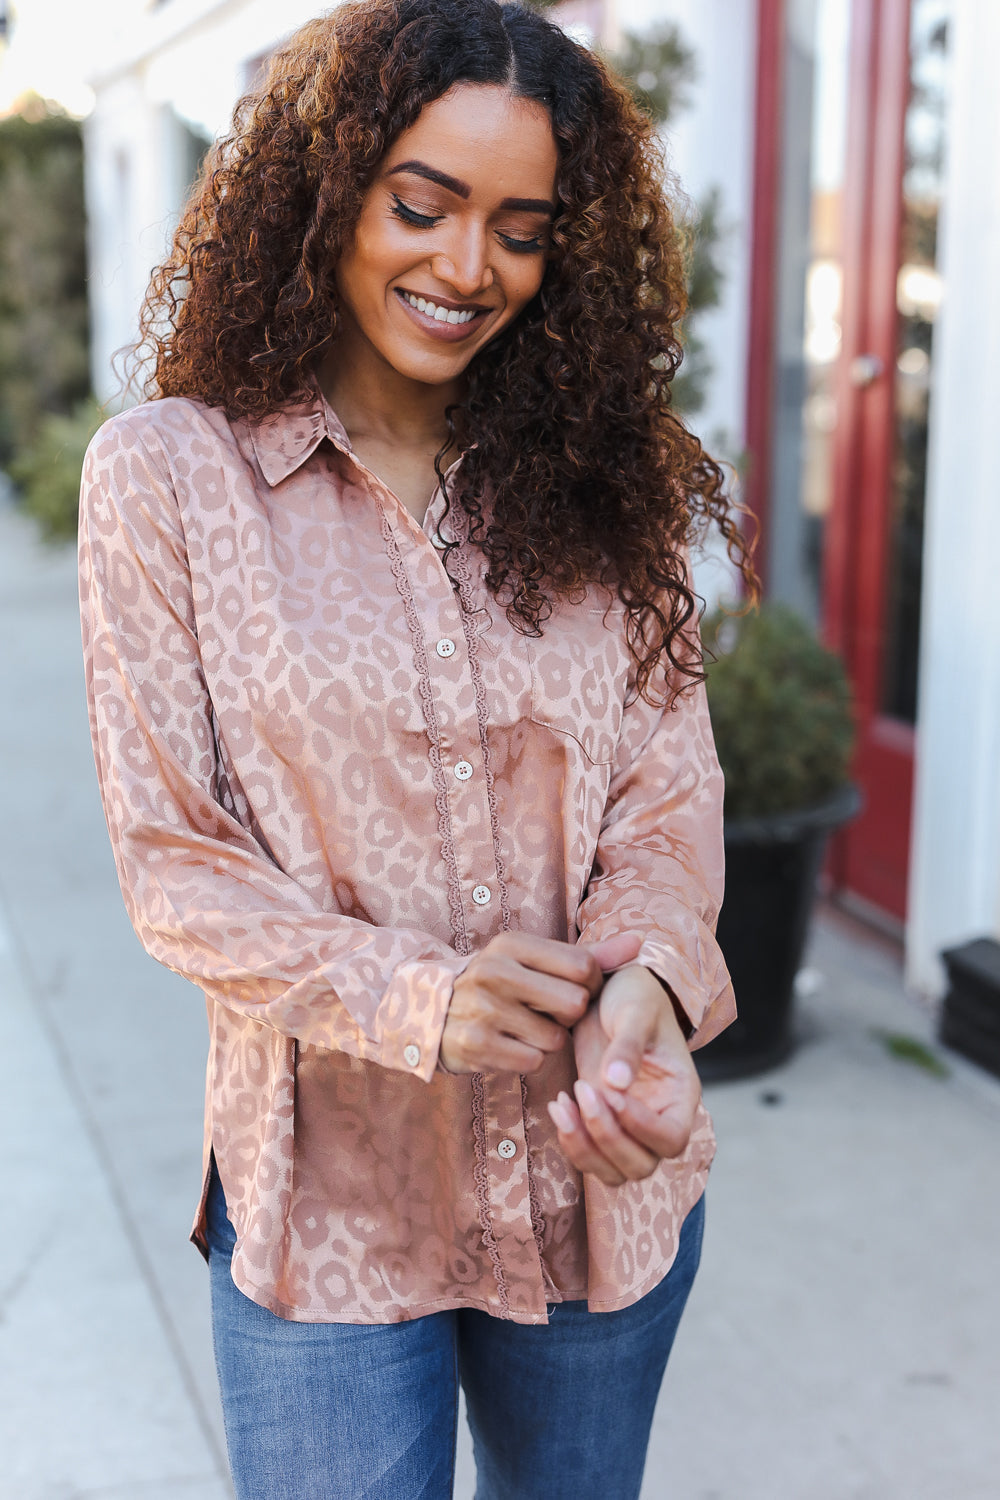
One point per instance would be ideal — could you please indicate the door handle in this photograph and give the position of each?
(865, 369)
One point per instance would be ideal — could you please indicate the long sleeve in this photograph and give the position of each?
(329, 776)
(205, 894)
(659, 865)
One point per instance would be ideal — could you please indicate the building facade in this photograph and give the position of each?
(855, 356)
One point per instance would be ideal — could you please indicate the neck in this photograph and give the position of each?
(375, 402)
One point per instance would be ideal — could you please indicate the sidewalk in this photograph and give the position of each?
(843, 1338)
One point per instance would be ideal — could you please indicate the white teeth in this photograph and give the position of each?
(439, 314)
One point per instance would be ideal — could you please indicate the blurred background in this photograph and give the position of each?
(839, 159)
(843, 350)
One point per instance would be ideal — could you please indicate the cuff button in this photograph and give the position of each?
(411, 1055)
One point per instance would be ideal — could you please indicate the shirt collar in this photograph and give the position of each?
(283, 440)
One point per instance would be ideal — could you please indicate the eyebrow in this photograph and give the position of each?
(463, 190)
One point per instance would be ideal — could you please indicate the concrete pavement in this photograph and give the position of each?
(843, 1339)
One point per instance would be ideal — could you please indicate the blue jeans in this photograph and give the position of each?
(345, 1411)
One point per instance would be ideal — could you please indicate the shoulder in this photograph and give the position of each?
(171, 426)
(163, 458)
(143, 465)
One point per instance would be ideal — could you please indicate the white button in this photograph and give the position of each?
(463, 770)
(411, 1055)
(507, 1149)
(445, 647)
(439, 541)
(481, 895)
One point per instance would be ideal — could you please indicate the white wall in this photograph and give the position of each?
(182, 62)
(130, 211)
(711, 145)
(955, 868)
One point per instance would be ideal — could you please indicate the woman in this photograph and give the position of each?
(399, 723)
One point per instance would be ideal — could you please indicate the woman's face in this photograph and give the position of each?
(453, 235)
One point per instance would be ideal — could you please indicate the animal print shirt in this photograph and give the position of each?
(331, 773)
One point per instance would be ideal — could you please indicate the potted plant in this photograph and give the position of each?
(784, 730)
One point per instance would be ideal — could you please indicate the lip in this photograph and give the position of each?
(447, 333)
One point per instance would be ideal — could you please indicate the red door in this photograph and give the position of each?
(895, 163)
(840, 493)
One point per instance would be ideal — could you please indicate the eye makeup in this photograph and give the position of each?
(417, 220)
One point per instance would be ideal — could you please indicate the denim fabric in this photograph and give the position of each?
(344, 1411)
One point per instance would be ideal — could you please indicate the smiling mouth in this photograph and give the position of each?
(438, 312)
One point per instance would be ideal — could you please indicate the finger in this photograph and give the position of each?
(631, 1030)
(614, 952)
(498, 979)
(627, 1155)
(577, 1145)
(490, 1054)
(664, 1132)
(562, 1000)
(570, 961)
(535, 1028)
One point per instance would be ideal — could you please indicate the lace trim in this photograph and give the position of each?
(482, 1191)
(454, 888)
(537, 1222)
(480, 1172)
(472, 641)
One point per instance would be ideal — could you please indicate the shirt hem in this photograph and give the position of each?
(399, 1313)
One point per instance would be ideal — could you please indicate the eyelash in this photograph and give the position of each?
(410, 216)
(417, 220)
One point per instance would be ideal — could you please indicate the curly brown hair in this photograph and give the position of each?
(566, 419)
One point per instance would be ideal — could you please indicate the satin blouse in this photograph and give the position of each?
(331, 774)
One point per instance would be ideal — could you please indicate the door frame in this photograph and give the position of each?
(869, 859)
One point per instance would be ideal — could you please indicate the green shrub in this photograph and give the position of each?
(47, 470)
(43, 272)
(781, 712)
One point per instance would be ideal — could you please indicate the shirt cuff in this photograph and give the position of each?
(683, 1019)
(709, 1008)
(411, 1015)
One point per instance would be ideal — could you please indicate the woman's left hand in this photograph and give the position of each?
(637, 1090)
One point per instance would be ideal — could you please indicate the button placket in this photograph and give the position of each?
(508, 1169)
(450, 678)
(474, 856)
(450, 675)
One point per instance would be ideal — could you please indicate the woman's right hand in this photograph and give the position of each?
(517, 998)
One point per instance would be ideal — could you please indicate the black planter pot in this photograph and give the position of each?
(772, 865)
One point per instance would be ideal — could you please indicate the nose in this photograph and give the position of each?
(463, 261)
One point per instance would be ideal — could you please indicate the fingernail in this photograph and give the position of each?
(586, 1097)
(618, 1074)
(560, 1118)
